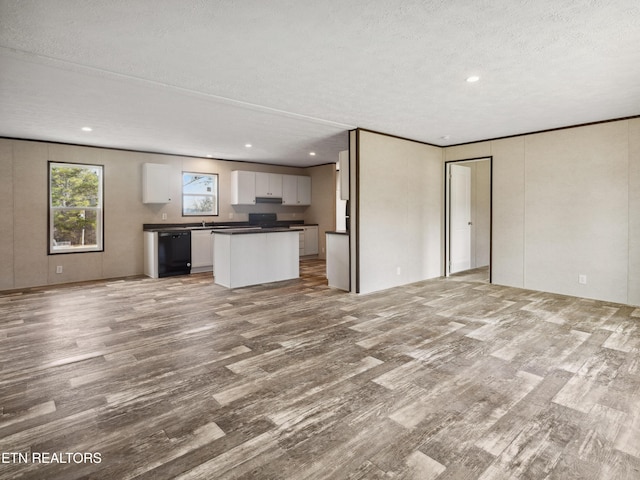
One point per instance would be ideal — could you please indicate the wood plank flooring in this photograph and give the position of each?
(443, 379)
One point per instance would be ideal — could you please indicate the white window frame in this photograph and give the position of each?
(99, 209)
(215, 195)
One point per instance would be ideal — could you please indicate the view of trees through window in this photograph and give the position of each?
(75, 214)
(199, 194)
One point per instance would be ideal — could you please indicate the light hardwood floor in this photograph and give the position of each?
(447, 379)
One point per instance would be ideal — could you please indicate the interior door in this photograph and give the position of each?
(460, 218)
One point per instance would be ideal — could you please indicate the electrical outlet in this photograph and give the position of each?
(164, 216)
(582, 279)
(398, 271)
(230, 215)
(59, 269)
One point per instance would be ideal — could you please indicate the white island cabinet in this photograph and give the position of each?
(246, 257)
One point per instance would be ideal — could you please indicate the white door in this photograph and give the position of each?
(460, 218)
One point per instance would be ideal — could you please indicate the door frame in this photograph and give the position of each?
(447, 212)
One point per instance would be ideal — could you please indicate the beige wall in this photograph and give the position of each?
(507, 261)
(23, 209)
(322, 211)
(566, 203)
(576, 211)
(6, 215)
(634, 211)
(400, 211)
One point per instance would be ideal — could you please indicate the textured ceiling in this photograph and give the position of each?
(205, 77)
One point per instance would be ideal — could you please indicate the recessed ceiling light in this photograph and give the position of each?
(473, 78)
(209, 156)
(87, 129)
(248, 145)
(313, 154)
(445, 137)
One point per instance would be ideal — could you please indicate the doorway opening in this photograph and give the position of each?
(468, 218)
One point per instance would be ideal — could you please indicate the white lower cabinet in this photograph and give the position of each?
(151, 254)
(201, 251)
(338, 260)
(311, 240)
(308, 240)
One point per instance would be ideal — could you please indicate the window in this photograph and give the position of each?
(75, 208)
(199, 194)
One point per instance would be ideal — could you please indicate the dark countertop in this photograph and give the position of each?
(338, 232)
(235, 231)
(172, 227)
(176, 229)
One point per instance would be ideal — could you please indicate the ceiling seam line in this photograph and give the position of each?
(221, 99)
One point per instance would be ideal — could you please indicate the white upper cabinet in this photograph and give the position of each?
(304, 190)
(268, 185)
(289, 190)
(155, 183)
(296, 190)
(243, 188)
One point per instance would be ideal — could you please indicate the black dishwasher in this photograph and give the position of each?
(174, 253)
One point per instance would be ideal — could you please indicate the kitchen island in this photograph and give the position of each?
(251, 256)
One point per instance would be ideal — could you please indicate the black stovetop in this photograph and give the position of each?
(263, 219)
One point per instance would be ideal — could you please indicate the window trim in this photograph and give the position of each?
(100, 209)
(215, 195)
